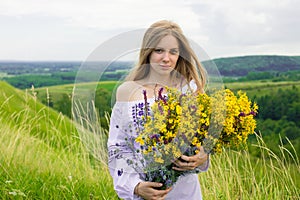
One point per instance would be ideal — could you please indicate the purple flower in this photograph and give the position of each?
(140, 105)
(155, 136)
(242, 114)
(146, 103)
(141, 113)
(160, 97)
(253, 113)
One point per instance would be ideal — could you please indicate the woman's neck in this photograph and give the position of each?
(157, 79)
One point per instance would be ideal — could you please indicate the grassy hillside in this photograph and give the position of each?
(42, 156)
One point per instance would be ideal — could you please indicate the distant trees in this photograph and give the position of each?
(26, 81)
(60, 78)
(281, 104)
(279, 117)
(241, 66)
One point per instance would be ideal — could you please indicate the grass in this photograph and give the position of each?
(260, 88)
(44, 155)
(238, 175)
(57, 91)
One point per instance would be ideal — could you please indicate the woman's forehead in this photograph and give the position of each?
(168, 42)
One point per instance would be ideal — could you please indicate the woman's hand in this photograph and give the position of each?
(148, 190)
(190, 162)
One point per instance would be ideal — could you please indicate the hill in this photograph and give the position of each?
(241, 66)
(42, 156)
(19, 107)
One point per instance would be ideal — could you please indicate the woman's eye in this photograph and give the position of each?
(159, 51)
(174, 52)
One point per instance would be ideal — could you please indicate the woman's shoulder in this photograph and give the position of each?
(127, 91)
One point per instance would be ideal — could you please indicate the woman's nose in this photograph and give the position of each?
(166, 56)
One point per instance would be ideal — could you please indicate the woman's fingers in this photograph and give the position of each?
(190, 162)
(183, 165)
(148, 190)
(153, 184)
(167, 191)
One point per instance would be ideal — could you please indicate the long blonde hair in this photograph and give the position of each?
(187, 65)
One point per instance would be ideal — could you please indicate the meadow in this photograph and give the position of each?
(44, 155)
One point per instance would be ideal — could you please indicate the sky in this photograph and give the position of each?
(70, 30)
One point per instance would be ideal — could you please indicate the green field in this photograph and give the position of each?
(260, 88)
(43, 156)
(57, 91)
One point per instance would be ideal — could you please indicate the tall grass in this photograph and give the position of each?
(238, 175)
(42, 156)
(91, 134)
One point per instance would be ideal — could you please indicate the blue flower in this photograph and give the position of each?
(141, 113)
(140, 105)
(169, 182)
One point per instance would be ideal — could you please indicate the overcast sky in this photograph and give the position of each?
(72, 29)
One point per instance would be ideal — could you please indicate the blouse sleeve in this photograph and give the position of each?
(125, 178)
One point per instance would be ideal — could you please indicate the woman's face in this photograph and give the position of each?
(165, 55)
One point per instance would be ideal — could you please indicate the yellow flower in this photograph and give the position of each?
(158, 160)
(178, 109)
(194, 141)
(221, 109)
(140, 140)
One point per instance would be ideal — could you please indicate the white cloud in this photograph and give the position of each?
(68, 29)
(113, 14)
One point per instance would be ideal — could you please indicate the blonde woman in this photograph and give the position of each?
(165, 59)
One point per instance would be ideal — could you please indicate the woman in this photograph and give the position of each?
(166, 59)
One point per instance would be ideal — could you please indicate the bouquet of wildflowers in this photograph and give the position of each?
(177, 124)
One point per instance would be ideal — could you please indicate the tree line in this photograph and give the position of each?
(279, 118)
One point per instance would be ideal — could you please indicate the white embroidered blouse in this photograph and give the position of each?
(125, 177)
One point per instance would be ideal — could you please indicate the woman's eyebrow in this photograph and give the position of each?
(175, 48)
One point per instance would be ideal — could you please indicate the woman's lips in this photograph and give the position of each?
(165, 66)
